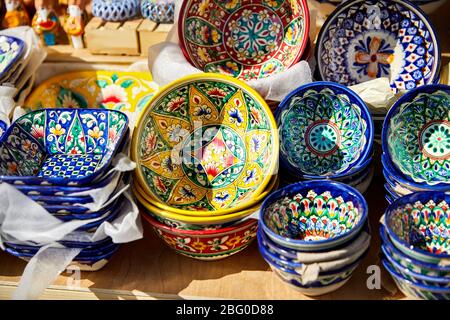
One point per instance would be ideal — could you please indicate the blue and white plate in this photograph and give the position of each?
(11, 49)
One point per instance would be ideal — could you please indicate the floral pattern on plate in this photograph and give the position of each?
(11, 49)
(242, 38)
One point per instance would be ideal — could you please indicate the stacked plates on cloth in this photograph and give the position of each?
(61, 158)
(326, 132)
(206, 149)
(416, 244)
(416, 149)
(314, 234)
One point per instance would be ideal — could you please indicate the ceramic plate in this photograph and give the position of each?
(363, 40)
(247, 39)
(61, 146)
(123, 91)
(11, 49)
(205, 142)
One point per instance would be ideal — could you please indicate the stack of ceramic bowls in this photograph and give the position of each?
(53, 155)
(326, 132)
(206, 149)
(416, 137)
(416, 244)
(314, 234)
(247, 39)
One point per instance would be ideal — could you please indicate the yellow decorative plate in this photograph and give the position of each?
(124, 91)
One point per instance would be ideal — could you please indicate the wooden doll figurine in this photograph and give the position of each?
(46, 22)
(16, 14)
(74, 23)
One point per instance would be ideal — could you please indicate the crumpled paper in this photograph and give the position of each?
(167, 63)
(23, 221)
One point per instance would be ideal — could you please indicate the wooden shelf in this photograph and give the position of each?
(147, 269)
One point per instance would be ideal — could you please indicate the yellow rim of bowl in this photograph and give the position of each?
(273, 185)
(194, 220)
(208, 76)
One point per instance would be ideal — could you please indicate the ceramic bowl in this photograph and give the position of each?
(207, 244)
(325, 131)
(159, 11)
(441, 282)
(326, 283)
(363, 40)
(124, 91)
(273, 185)
(115, 10)
(247, 39)
(417, 266)
(416, 290)
(206, 140)
(419, 225)
(314, 215)
(11, 50)
(61, 146)
(416, 135)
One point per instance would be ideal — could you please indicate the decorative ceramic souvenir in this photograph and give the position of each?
(11, 50)
(417, 290)
(244, 39)
(313, 215)
(325, 130)
(61, 146)
(123, 91)
(363, 40)
(115, 10)
(205, 142)
(416, 136)
(159, 11)
(74, 26)
(419, 225)
(16, 14)
(417, 266)
(47, 25)
(207, 244)
(3, 127)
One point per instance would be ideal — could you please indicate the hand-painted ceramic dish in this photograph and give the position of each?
(363, 40)
(273, 185)
(11, 49)
(61, 146)
(416, 135)
(314, 215)
(417, 266)
(207, 142)
(159, 11)
(207, 244)
(416, 290)
(123, 91)
(242, 38)
(419, 225)
(325, 131)
(115, 10)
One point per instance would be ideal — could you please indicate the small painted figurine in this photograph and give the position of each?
(74, 23)
(16, 14)
(46, 22)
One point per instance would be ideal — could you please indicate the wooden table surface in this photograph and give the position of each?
(147, 269)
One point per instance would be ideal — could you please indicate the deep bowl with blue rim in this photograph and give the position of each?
(313, 215)
(364, 40)
(416, 137)
(326, 131)
(419, 225)
(61, 146)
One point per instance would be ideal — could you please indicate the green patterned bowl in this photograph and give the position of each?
(419, 225)
(416, 135)
(206, 142)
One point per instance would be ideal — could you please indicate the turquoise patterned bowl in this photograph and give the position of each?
(419, 226)
(61, 146)
(326, 131)
(416, 136)
(314, 215)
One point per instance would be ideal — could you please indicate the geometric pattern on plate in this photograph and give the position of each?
(242, 38)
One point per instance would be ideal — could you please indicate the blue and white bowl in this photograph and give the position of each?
(364, 40)
(159, 11)
(313, 215)
(115, 10)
